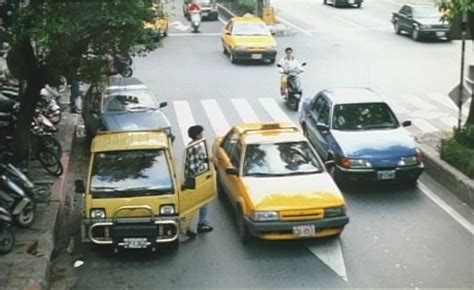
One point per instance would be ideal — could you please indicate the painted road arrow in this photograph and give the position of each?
(330, 253)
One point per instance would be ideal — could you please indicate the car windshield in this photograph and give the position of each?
(203, 2)
(365, 116)
(250, 29)
(129, 101)
(426, 12)
(130, 173)
(280, 159)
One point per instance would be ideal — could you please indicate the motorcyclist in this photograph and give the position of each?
(287, 65)
(194, 7)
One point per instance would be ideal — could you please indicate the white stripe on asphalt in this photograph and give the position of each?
(424, 126)
(443, 100)
(417, 102)
(448, 209)
(450, 121)
(358, 26)
(184, 117)
(293, 25)
(272, 108)
(215, 116)
(330, 253)
(246, 112)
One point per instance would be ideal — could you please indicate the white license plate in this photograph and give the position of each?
(440, 33)
(303, 231)
(135, 243)
(386, 174)
(351, 1)
(205, 14)
(256, 56)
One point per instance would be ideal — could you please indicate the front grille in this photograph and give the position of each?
(302, 214)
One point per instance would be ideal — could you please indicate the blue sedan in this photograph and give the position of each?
(359, 136)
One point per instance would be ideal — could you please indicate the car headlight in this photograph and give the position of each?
(265, 216)
(411, 160)
(240, 47)
(334, 211)
(167, 209)
(98, 213)
(355, 163)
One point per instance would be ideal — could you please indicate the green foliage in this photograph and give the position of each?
(459, 150)
(456, 7)
(240, 7)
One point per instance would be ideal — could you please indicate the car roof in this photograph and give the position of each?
(120, 83)
(258, 133)
(247, 19)
(131, 140)
(353, 95)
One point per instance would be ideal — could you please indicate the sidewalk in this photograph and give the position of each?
(28, 265)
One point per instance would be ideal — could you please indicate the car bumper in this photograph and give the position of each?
(212, 14)
(348, 2)
(401, 173)
(434, 32)
(283, 230)
(254, 55)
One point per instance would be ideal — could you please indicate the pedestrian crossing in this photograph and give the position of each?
(431, 112)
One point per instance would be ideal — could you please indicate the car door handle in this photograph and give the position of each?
(209, 176)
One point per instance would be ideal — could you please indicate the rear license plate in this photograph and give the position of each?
(135, 243)
(440, 33)
(205, 14)
(256, 56)
(303, 231)
(351, 1)
(386, 174)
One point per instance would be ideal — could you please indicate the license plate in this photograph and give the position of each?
(256, 56)
(205, 14)
(440, 33)
(135, 243)
(386, 174)
(303, 231)
(351, 1)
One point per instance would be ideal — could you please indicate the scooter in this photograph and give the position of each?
(49, 105)
(7, 237)
(195, 17)
(293, 89)
(20, 204)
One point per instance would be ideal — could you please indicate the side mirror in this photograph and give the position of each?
(322, 127)
(329, 162)
(227, 32)
(303, 64)
(273, 33)
(163, 104)
(79, 186)
(278, 65)
(189, 183)
(406, 123)
(232, 171)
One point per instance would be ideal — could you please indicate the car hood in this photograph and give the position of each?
(135, 121)
(376, 145)
(293, 192)
(430, 21)
(254, 41)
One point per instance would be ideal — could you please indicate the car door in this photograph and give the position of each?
(227, 36)
(406, 16)
(198, 186)
(318, 124)
(223, 156)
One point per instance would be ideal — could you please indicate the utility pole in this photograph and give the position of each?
(463, 50)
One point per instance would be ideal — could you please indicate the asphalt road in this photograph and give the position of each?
(397, 237)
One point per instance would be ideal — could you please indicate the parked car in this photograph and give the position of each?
(359, 136)
(276, 184)
(338, 3)
(421, 20)
(248, 38)
(208, 9)
(122, 104)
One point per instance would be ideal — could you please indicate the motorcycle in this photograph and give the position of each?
(195, 17)
(7, 237)
(49, 105)
(20, 204)
(292, 87)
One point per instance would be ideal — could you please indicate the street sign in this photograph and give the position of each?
(455, 94)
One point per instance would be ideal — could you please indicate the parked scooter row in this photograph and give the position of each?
(116, 63)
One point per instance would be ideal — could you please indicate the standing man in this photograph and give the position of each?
(74, 95)
(197, 163)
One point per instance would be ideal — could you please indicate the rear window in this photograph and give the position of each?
(250, 29)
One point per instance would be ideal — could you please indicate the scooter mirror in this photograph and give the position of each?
(303, 64)
(163, 104)
(278, 65)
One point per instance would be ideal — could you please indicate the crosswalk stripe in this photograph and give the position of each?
(184, 117)
(246, 112)
(216, 117)
(424, 126)
(450, 121)
(418, 102)
(443, 100)
(272, 108)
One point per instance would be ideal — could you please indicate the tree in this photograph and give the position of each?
(454, 9)
(49, 38)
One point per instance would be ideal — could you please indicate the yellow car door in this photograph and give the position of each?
(198, 186)
(227, 36)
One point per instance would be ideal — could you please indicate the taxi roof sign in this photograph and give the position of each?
(268, 127)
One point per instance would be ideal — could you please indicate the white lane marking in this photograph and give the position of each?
(180, 26)
(448, 209)
(424, 126)
(272, 108)
(215, 116)
(246, 112)
(193, 34)
(185, 118)
(279, 18)
(443, 100)
(417, 102)
(450, 121)
(222, 21)
(358, 26)
(330, 253)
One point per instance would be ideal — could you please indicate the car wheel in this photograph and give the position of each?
(332, 169)
(165, 33)
(232, 58)
(7, 240)
(244, 233)
(415, 34)
(224, 51)
(397, 28)
(325, 2)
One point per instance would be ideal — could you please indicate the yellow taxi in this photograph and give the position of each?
(277, 184)
(159, 27)
(135, 198)
(248, 38)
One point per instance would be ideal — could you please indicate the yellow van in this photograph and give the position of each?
(135, 197)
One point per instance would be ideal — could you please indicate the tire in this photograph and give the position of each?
(325, 2)
(334, 173)
(224, 51)
(397, 28)
(127, 72)
(244, 233)
(53, 144)
(165, 33)
(7, 240)
(50, 162)
(359, 5)
(26, 217)
(232, 58)
(415, 34)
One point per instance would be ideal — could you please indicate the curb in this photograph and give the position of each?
(448, 176)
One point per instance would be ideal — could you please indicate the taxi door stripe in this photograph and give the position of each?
(246, 112)
(185, 118)
(272, 108)
(424, 126)
(215, 116)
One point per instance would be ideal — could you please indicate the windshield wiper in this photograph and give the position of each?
(380, 126)
(302, 172)
(258, 174)
(142, 188)
(140, 108)
(104, 188)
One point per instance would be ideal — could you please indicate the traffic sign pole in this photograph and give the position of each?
(463, 49)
